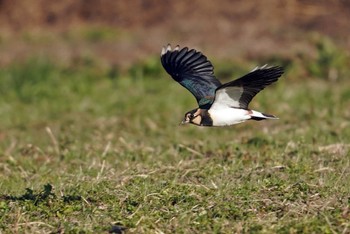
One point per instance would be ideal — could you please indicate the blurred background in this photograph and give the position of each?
(121, 32)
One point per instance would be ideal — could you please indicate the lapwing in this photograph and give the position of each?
(218, 104)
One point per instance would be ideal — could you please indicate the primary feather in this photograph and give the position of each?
(193, 71)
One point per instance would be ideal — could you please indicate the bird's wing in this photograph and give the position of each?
(240, 92)
(193, 71)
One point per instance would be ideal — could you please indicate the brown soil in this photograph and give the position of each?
(223, 28)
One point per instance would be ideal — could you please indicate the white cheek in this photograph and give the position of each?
(197, 120)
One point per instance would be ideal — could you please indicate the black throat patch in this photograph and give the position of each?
(206, 119)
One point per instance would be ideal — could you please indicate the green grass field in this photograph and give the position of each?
(84, 148)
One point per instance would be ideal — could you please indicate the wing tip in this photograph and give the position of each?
(165, 49)
(275, 69)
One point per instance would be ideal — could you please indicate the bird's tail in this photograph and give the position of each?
(255, 115)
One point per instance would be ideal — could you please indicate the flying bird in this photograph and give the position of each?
(218, 104)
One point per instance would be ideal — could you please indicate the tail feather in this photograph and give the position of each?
(255, 115)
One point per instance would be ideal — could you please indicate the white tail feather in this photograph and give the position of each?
(260, 115)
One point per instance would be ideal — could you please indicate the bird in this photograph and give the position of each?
(218, 104)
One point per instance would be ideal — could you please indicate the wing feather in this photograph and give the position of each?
(240, 92)
(193, 71)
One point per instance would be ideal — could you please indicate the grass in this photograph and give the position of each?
(86, 150)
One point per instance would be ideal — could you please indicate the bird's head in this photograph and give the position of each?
(193, 117)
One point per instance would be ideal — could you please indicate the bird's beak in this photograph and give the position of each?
(184, 122)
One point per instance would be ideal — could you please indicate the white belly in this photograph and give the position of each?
(228, 116)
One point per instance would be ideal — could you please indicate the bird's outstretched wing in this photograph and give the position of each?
(240, 92)
(193, 71)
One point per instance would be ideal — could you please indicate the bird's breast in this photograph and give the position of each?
(228, 116)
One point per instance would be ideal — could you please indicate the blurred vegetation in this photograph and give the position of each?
(331, 62)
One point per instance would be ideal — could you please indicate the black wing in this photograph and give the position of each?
(240, 92)
(193, 71)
